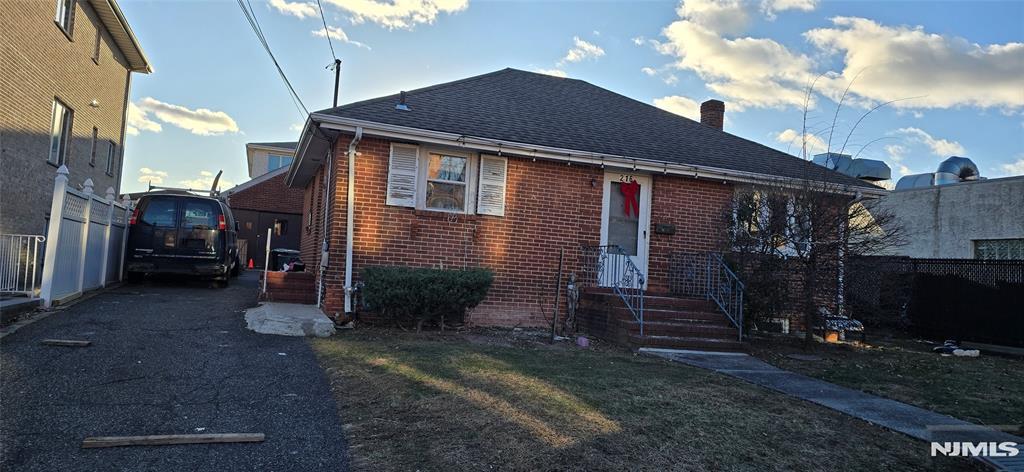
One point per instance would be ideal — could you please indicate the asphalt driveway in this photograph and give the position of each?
(166, 358)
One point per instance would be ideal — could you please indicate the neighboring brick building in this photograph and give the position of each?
(265, 202)
(66, 76)
(507, 169)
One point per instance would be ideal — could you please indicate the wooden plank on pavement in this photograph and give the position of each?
(170, 439)
(66, 342)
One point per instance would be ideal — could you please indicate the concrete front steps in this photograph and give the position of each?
(669, 322)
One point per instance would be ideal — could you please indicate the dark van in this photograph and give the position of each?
(182, 234)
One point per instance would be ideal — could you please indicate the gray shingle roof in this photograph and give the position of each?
(281, 144)
(518, 106)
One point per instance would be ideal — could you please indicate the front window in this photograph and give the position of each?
(446, 182)
(275, 162)
(60, 129)
(65, 14)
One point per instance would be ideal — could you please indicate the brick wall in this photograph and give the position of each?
(270, 195)
(39, 62)
(549, 206)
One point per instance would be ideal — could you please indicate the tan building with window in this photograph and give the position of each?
(65, 78)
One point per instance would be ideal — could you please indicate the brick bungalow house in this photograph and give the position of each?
(506, 169)
(265, 202)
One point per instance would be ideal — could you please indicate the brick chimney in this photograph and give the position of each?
(712, 113)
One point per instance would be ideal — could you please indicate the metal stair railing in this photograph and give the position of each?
(725, 289)
(609, 265)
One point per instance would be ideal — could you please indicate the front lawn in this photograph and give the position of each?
(985, 390)
(496, 402)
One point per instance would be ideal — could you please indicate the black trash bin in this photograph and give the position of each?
(279, 257)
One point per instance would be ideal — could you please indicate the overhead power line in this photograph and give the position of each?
(327, 32)
(250, 16)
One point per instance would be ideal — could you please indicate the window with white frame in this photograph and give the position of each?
(60, 130)
(446, 187)
(111, 155)
(275, 162)
(445, 180)
(65, 16)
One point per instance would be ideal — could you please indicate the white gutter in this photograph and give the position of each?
(350, 217)
(573, 156)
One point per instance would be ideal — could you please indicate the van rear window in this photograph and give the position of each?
(201, 215)
(160, 212)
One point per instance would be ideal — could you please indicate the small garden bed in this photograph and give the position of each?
(985, 390)
(504, 400)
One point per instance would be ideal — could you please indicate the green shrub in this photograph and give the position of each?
(414, 294)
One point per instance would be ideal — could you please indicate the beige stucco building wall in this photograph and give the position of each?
(945, 221)
(39, 61)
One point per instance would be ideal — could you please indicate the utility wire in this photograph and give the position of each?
(327, 32)
(250, 16)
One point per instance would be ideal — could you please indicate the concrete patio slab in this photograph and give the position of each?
(289, 319)
(916, 422)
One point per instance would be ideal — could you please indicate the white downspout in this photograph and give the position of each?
(350, 217)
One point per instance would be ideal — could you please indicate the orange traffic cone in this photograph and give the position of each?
(250, 263)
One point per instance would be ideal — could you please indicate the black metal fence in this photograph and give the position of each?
(968, 299)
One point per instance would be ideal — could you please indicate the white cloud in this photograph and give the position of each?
(139, 121)
(204, 181)
(554, 72)
(582, 50)
(297, 9)
(746, 71)
(1014, 168)
(771, 7)
(296, 127)
(648, 70)
(670, 79)
(901, 62)
(339, 34)
(639, 40)
(201, 121)
(680, 105)
(723, 16)
(939, 147)
(791, 138)
(896, 154)
(400, 14)
(150, 176)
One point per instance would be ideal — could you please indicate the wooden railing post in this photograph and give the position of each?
(60, 185)
(127, 202)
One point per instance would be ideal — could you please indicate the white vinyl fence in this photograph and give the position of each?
(85, 241)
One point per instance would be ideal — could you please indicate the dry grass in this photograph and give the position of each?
(985, 390)
(441, 402)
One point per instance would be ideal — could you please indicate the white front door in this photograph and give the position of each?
(625, 222)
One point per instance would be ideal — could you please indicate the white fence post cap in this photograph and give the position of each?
(110, 194)
(87, 186)
(62, 173)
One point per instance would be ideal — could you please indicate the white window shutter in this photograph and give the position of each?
(403, 170)
(491, 196)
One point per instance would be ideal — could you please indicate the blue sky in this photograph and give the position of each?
(956, 67)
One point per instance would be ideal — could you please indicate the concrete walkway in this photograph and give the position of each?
(916, 422)
(289, 319)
